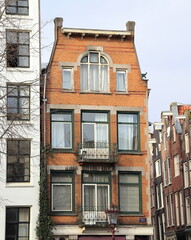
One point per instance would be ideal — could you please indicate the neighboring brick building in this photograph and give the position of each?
(96, 122)
(173, 151)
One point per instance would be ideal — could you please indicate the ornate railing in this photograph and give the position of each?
(92, 215)
(97, 152)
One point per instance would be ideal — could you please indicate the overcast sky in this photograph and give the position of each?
(162, 38)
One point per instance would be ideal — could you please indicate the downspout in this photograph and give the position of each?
(44, 110)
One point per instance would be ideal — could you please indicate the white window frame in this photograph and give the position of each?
(174, 132)
(158, 168)
(176, 166)
(161, 195)
(177, 209)
(188, 214)
(165, 172)
(71, 70)
(171, 208)
(125, 71)
(189, 163)
(164, 141)
(185, 168)
(181, 208)
(167, 210)
(169, 172)
(187, 143)
(61, 184)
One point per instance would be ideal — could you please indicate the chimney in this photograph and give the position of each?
(58, 23)
(130, 26)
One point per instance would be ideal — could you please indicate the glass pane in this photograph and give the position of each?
(127, 137)
(94, 77)
(11, 159)
(23, 38)
(23, 62)
(61, 117)
(121, 81)
(62, 177)
(129, 178)
(94, 57)
(62, 197)
(12, 37)
(95, 178)
(23, 103)
(88, 135)
(89, 197)
(129, 198)
(127, 118)
(103, 60)
(12, 90)
(24, 215)
(12, 147)
(11, 231)
(12, 2)
(102, 197)
(94, 117)
(23, 50)
(12, 102)
(84, 59)
(24, 147)
(104, 78)
(11, 215)
(84, 77)
(102, 135)
(23, 3)
(24, 90)
(11, 10)
(67, 77)
(22, 10)
(61, 135)
(23, 230)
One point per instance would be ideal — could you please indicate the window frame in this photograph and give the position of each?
(18, 116)
(16, 222)
(17, 7)
(72, 184)
(139, 184)
(89, 64)
(125, 71)
(138, 132)
(62, 111)
(71, 70)
(19, 157)
(176, 165)
(12, 50)
(157, 168)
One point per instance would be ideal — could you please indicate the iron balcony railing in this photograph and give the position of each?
(92, 215)
(97, 152)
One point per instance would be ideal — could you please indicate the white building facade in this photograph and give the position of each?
(19, 118)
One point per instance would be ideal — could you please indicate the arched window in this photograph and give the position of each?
(94, 72)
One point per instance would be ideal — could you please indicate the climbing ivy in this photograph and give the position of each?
(44, 223)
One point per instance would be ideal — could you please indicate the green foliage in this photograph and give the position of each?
(44, 224)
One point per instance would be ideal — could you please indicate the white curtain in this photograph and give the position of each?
(94, 77)
(61, 135)
(62, 197)
(121, 81)
(89, 197)
(102, 197)
(129, 198)
(102, 135)
(104, 78)
(84, 77)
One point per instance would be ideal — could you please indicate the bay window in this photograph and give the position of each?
(94, 72)
(128, 131)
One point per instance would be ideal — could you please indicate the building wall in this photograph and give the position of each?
(20, 194)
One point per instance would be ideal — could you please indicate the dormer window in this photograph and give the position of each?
(94, 73)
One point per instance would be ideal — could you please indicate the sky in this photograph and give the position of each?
(162, 40)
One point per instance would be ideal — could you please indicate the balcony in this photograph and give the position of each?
(92, 216)
(97, 152)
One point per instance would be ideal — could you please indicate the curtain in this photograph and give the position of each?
(62, 197)
(121, 82)
(104, 78)
(89, 197)
(61, 135)
(102, 198)
(84, 77)
(94, 77)
(129, 198)
(102, 135)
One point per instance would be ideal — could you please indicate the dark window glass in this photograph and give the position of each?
(17, 223)
(19, 7)
(18, 52)
(18, 161)
(18, 102)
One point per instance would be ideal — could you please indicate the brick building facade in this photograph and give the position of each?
(95, 118)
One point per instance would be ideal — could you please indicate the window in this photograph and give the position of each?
(188, 215)
(152, 197)
(185, 168)
(130, 192)
(159, 194)
(96, 196)
(128, 131)
(19, 7)
(165, 173)
(94, 72)
(164, 140)
(177, 209)
(190, 171)
(18, 54)
(17, 223)
(18, 160)
(18, 102)
(62, 191)
(67, 78)
(61, 129)
(169, 171)
(187, 144)
(181, 208)
(95, 133)
(172, 208)
(176, 166)
(121, 79)
(158, 168)
(174, 133)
